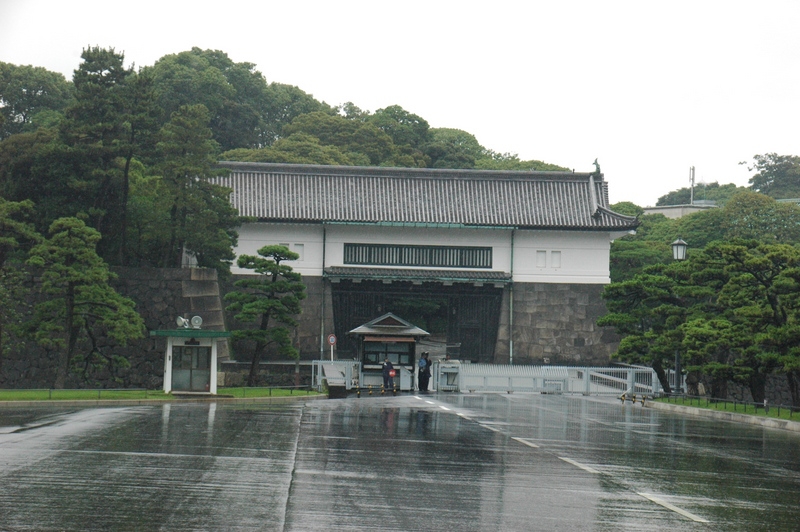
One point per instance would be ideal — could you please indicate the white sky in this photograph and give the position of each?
(649, 88)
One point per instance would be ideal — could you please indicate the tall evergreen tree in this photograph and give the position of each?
(81, 303)
(202, 221)
(16, 235)
(111, 122)
(272, 300)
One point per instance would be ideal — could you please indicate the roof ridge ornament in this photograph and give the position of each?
(595, 206)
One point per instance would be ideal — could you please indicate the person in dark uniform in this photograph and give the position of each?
(424, 372)
(388, 377)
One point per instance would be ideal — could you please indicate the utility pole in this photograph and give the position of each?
(691, 180)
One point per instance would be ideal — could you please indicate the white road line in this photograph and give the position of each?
(489, 427)
(525, 442)
(580, 465)
(430, 402)
(675, 509)
(444, 408)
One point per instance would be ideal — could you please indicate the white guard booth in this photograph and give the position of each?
(190, 361)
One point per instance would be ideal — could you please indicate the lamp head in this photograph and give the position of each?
(679, 248)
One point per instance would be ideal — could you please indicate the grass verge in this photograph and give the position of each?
(265, 392)
(80, 395)
(138, 394)
(777, 412)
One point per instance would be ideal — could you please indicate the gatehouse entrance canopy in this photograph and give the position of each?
(391, 337)
(389, 326)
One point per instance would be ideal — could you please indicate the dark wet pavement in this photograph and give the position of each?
(433, 462)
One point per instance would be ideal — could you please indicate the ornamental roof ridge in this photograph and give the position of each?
(318, 170)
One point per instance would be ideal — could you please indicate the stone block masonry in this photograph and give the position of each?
(557, 323)
(160, 296)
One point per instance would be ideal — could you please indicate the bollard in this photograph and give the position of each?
(382, 390)
(394, 390)
(358, 392)
(370, 389)
(622, 398)
(766, 406)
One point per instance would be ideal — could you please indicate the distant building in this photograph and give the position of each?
(500, 265)
(677, 211)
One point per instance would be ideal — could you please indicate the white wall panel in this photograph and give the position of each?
(539, 256)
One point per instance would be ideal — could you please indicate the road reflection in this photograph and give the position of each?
(441, 462)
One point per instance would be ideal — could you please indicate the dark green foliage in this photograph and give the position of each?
(245, 112)
(509, 161)
(272, 300)
(201, 220)
(30, 97)
(746, 214)
(112, 121)
(715, 192)
(298, 148)
(732, 311)
(17, 235)
(777, 176)
(81, 304)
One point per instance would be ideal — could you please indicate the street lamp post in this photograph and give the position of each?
(678, 253)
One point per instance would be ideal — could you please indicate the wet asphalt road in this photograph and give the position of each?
(433, 462)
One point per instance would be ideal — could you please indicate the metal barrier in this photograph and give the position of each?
(545, 379)
(464, 377)
(336, 373)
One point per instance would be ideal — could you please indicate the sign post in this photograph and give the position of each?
(332, 342)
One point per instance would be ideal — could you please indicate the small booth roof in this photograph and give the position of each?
(192, 333)
(388, 328)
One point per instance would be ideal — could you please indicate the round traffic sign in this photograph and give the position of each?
(331, 339)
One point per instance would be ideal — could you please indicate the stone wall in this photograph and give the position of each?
(556, 324)
(777, 391)
(160, 296)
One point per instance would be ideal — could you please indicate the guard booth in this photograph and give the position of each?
(392, 337)
(190, 360)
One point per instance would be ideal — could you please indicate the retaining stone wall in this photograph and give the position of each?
(556, 322)
(160, 298)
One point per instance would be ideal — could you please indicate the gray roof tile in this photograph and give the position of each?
(315, 193)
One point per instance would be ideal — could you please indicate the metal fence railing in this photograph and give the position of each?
(728, 405)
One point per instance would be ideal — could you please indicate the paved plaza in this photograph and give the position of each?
(410, 462)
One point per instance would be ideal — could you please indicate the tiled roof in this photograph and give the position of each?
(400, 274)
(396, 327)
(315, 193)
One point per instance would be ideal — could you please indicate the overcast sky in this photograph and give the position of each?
(648, 88)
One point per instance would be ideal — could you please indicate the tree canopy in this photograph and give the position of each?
(777, 176)
(715, 192)
(30, 97)
(272, 300)
(81, 302)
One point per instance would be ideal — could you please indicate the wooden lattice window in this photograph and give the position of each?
(423, 256)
